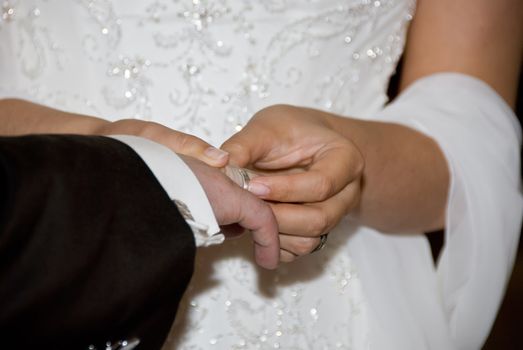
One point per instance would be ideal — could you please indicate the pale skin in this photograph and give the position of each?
(231, 204)
(375, 176)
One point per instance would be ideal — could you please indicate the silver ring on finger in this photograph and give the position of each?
(240, 176)
(321, 245)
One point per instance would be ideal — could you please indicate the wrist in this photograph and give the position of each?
(20, 117)
(85, 125)
(360, 132)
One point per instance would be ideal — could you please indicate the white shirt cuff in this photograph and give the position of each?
(181, 185)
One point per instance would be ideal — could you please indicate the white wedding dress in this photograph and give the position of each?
(204, 67)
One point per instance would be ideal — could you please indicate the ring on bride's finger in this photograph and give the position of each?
(323, 241)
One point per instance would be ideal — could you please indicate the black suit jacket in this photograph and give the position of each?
(92, 250)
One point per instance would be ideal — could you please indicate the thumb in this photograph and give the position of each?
(195, 147)
(246, 147)
(239, 154)
(177, 141)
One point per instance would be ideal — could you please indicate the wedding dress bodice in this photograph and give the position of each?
(204, 67)
(201, 66)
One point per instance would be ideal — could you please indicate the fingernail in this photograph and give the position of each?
(258, 189)
(215, 153)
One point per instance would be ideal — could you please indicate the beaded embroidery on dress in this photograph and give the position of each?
(204, 67)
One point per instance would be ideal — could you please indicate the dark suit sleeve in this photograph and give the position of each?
(91, 247)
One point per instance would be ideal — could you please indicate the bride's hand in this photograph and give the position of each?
(321, 179)
(177, 141)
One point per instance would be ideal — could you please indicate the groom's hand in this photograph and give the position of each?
(233, 205)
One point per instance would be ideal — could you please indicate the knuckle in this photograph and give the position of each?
(305, 245)
(266, 215)
(148, 130)
(359, 165)
(282, 192)
(286, 257)
(239, 150)
(354, 200)
(184, 142)
(187, 144)
(277, 109)
(319, 223)
(323, 187)
(235, 147)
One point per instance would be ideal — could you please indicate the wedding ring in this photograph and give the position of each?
(245, 178)
(323, 241)
(239, 176)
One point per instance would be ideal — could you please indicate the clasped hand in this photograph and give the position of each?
(314, 177)
(315, 174)
(232, 206)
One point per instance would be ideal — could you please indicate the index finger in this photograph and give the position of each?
(329, 173)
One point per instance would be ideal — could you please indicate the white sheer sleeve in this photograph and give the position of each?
(480, 137)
